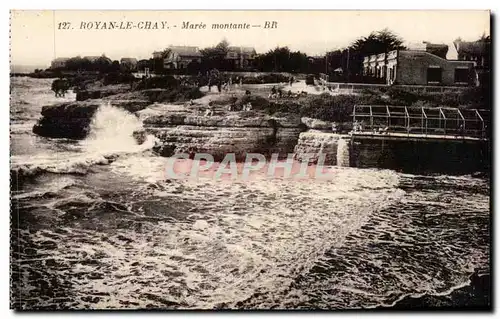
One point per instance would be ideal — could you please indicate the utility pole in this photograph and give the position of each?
(348, 71)
(326, 63)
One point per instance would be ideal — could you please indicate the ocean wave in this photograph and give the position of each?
(211, 245)
(22, 169)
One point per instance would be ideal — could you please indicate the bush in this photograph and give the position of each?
(323, 107)
(181, 93)
(118, 78)
(273, 78)
(266, 78)
(159, 82)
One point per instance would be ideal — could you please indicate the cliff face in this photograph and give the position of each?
(237, 132)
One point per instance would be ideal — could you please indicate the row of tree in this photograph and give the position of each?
(348, 62)
(345, 63)
(100, 64)
(280, 59)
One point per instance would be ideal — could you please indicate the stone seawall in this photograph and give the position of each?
(314, 142)
(421, 156)
(407, 155)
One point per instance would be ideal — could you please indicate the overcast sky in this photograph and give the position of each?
(35, 39)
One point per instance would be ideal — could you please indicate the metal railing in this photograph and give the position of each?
(421, 120)
(358, 87)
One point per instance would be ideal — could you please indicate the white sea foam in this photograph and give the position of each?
(111, 131)
(255, 237)
(111, 135)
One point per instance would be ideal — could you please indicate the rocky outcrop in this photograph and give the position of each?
(238, 133)
(72, 119)
(66, 120)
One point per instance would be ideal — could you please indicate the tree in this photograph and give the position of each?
(377, 42)
(102, 64)
(115, 66)
(281, 59)
(215, 57)
(193, 67)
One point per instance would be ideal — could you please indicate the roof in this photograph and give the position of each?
(185, 50)
(244, 50)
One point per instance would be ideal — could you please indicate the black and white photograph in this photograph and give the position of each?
(248, 160)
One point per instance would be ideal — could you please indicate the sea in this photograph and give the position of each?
(95, 224)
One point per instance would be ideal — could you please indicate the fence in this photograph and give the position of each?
(358, 87)
(422, 120)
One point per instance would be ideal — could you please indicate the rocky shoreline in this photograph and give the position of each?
(184, 118)
(183, 126)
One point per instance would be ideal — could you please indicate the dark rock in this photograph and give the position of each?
(72, 119)
(165, 150)
(139, 136)
(66, 120)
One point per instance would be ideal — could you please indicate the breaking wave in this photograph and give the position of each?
(111, 136)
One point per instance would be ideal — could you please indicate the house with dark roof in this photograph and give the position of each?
(477, 51)
(241, 57)
(180, 56)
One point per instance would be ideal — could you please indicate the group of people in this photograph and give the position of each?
(358, 127)
(224, 85)
(278, 93)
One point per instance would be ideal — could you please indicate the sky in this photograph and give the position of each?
(36, 38)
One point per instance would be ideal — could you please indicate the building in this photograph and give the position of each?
(58, 63)
(128, 64)
(418, 67)
(477, 51)
(180, 56)
(241, 57)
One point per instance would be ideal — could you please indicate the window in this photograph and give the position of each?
(461, 75)
(434, 75)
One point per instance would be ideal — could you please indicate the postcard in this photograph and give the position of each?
(250, 160)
